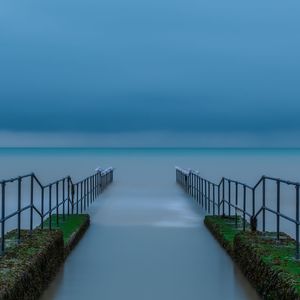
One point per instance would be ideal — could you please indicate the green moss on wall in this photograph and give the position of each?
(224, 229)
(68, 225)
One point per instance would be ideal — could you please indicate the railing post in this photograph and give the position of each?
(81, 196)
(99, 183)
(264, 205)
(63, 198)
(244, 207)
(219, 196)
(95, 184)
(19, 208)
(57, 185)
(198, 189)
(297, 221)
(69, 199)
(84, 192)
(77, 198)
(42, 207)
(278, 210)
(31, 203)
(194, 186)
(214, 199)
(2, 217)
(50, 207)
(223, 196)
(87, 193)
(229, 198)
(236, 203)
(202, 192)
(73, 196)
(191, 184)
(205, 194)
(92, 188)
(208, 197)
(253, 220)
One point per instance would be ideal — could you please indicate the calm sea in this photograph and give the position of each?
(150, 164)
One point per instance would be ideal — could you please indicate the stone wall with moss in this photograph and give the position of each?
(77, 234)
(224, 229)
(26, 269)
(268, 263)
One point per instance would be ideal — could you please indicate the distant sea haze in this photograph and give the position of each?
(245, 164)
(144, 139)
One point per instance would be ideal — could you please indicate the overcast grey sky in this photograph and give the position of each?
(182, 67)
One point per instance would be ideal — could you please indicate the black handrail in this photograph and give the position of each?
(202, 190)
(63, 191)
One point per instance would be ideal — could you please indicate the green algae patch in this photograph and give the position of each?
(73, 227)
(269, 264)
(28, 267)
(224, 229)
(68, 224)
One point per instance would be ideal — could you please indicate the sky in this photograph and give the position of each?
(150, 73)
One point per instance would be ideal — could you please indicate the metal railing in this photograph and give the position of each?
(35, 199)
(233, 198)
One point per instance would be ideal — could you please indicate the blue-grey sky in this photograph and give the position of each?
(182, 66)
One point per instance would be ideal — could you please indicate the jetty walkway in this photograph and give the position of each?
(148, 243)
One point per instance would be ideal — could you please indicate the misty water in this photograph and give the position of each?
(147, 239)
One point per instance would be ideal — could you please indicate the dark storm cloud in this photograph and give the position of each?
(114, 66)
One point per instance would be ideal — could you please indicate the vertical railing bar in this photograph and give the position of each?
(57, 212)
(205, 194)
(19, 209)
(63, 199)
(229, 198)
(236, 203)
(244, 207)
(77, 198)
(68, 191)
(223, 196)
(208, 197)
(264, 205)
(219, 196)
(214, 199)
(50, 206)
(31, 203)
(2, 217)
(42, 207)
(73, 196)
(202, 192)
(81, 194)
(297, 221)
(278, 211)
(84, 191)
